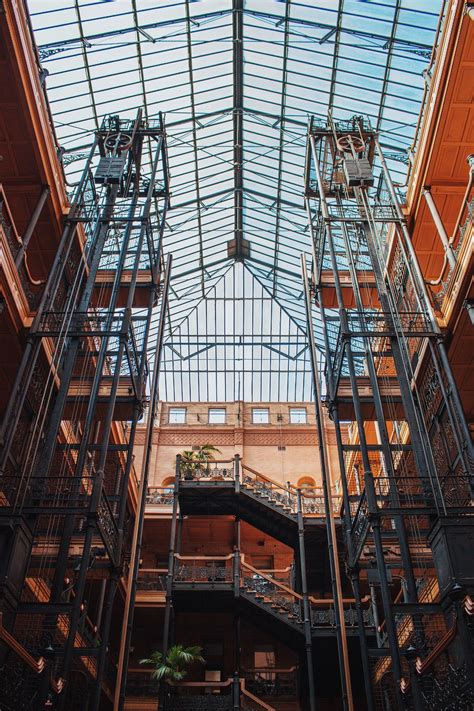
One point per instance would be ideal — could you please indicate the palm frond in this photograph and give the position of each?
(163, 672)
(155, 658)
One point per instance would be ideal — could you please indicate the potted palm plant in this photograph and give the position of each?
(173, 667)
(204, 455)
(195, 463)
(188, 464)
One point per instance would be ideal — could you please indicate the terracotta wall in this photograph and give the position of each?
(281, 450)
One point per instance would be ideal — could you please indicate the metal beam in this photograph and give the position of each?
(237, 120)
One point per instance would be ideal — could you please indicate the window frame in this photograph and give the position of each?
(260, 409)
(213, 410)
(298, 409)
(177, 409)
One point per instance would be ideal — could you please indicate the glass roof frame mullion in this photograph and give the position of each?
(238, 119)
(85, 59)
(388, 65)
(194, 141)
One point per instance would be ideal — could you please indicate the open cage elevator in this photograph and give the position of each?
(405, 451)
(68, 484)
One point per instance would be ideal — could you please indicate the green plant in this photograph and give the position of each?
(195, 461)
(175, 665)
(206, 452)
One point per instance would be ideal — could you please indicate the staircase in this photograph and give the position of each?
(272, 597)
(228, 487)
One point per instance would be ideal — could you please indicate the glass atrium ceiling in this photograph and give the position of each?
(237, 81)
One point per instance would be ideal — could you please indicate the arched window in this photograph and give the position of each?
(168, 484)
(306, 482)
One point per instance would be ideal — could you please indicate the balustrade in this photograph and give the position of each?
(153, 579)
(159, 495)
(140, 683)
(272, 682)
(203, 569)
(207, 469)
(281, 598)
(276, 493)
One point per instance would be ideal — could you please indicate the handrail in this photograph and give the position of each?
(271, 580)
(184, 462)
(291, 489)
(345, 600)
(12, 225)
(203, 557)
(423, 665)
(255, 699)
(199, 684)
(274, 670)
(37, 665)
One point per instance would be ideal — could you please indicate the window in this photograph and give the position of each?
(260, 416)
(306, 482)
(262, 562)
(216, 416)
(298, 415)
(264, 659)
(177, 415)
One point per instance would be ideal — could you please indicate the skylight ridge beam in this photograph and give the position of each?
(238, 110)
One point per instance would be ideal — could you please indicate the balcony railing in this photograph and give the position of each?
(203, 569)
(15, 243)
(280, 597)
(450, 275)
(282, 496)
(159, 496)
(152, 579)
(270, 682)
(208, 470)
(141, 684)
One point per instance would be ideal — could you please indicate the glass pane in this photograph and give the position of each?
(217, 416)
(177, 415)
(260, 415)
(298, 415)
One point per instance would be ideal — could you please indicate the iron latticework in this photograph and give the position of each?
(405, 451)
(69, 429)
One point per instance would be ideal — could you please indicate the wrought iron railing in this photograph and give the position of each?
(207, 469)
(140, 683)
(278, 495)
(159, 495)
(326, 617)
(270, 682)
(152, 579)
(203, 569)
(281, 598)
(284, 496)
(360, 525)
(51, 492)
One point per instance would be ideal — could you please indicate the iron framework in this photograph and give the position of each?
(406, 456)
(69, 429)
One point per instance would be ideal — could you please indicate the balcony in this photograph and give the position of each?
(449, 286)
(142, 694)
(225, 578)
(159, 501)
(151, 587)
(22, 286)
(272, 683)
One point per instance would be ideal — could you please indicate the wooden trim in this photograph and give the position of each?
(423, 665)
(37, 665)
(271, 670)
(25, 63)
(291, 490)
(272, 580)
(203, 557)
(255, 699)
